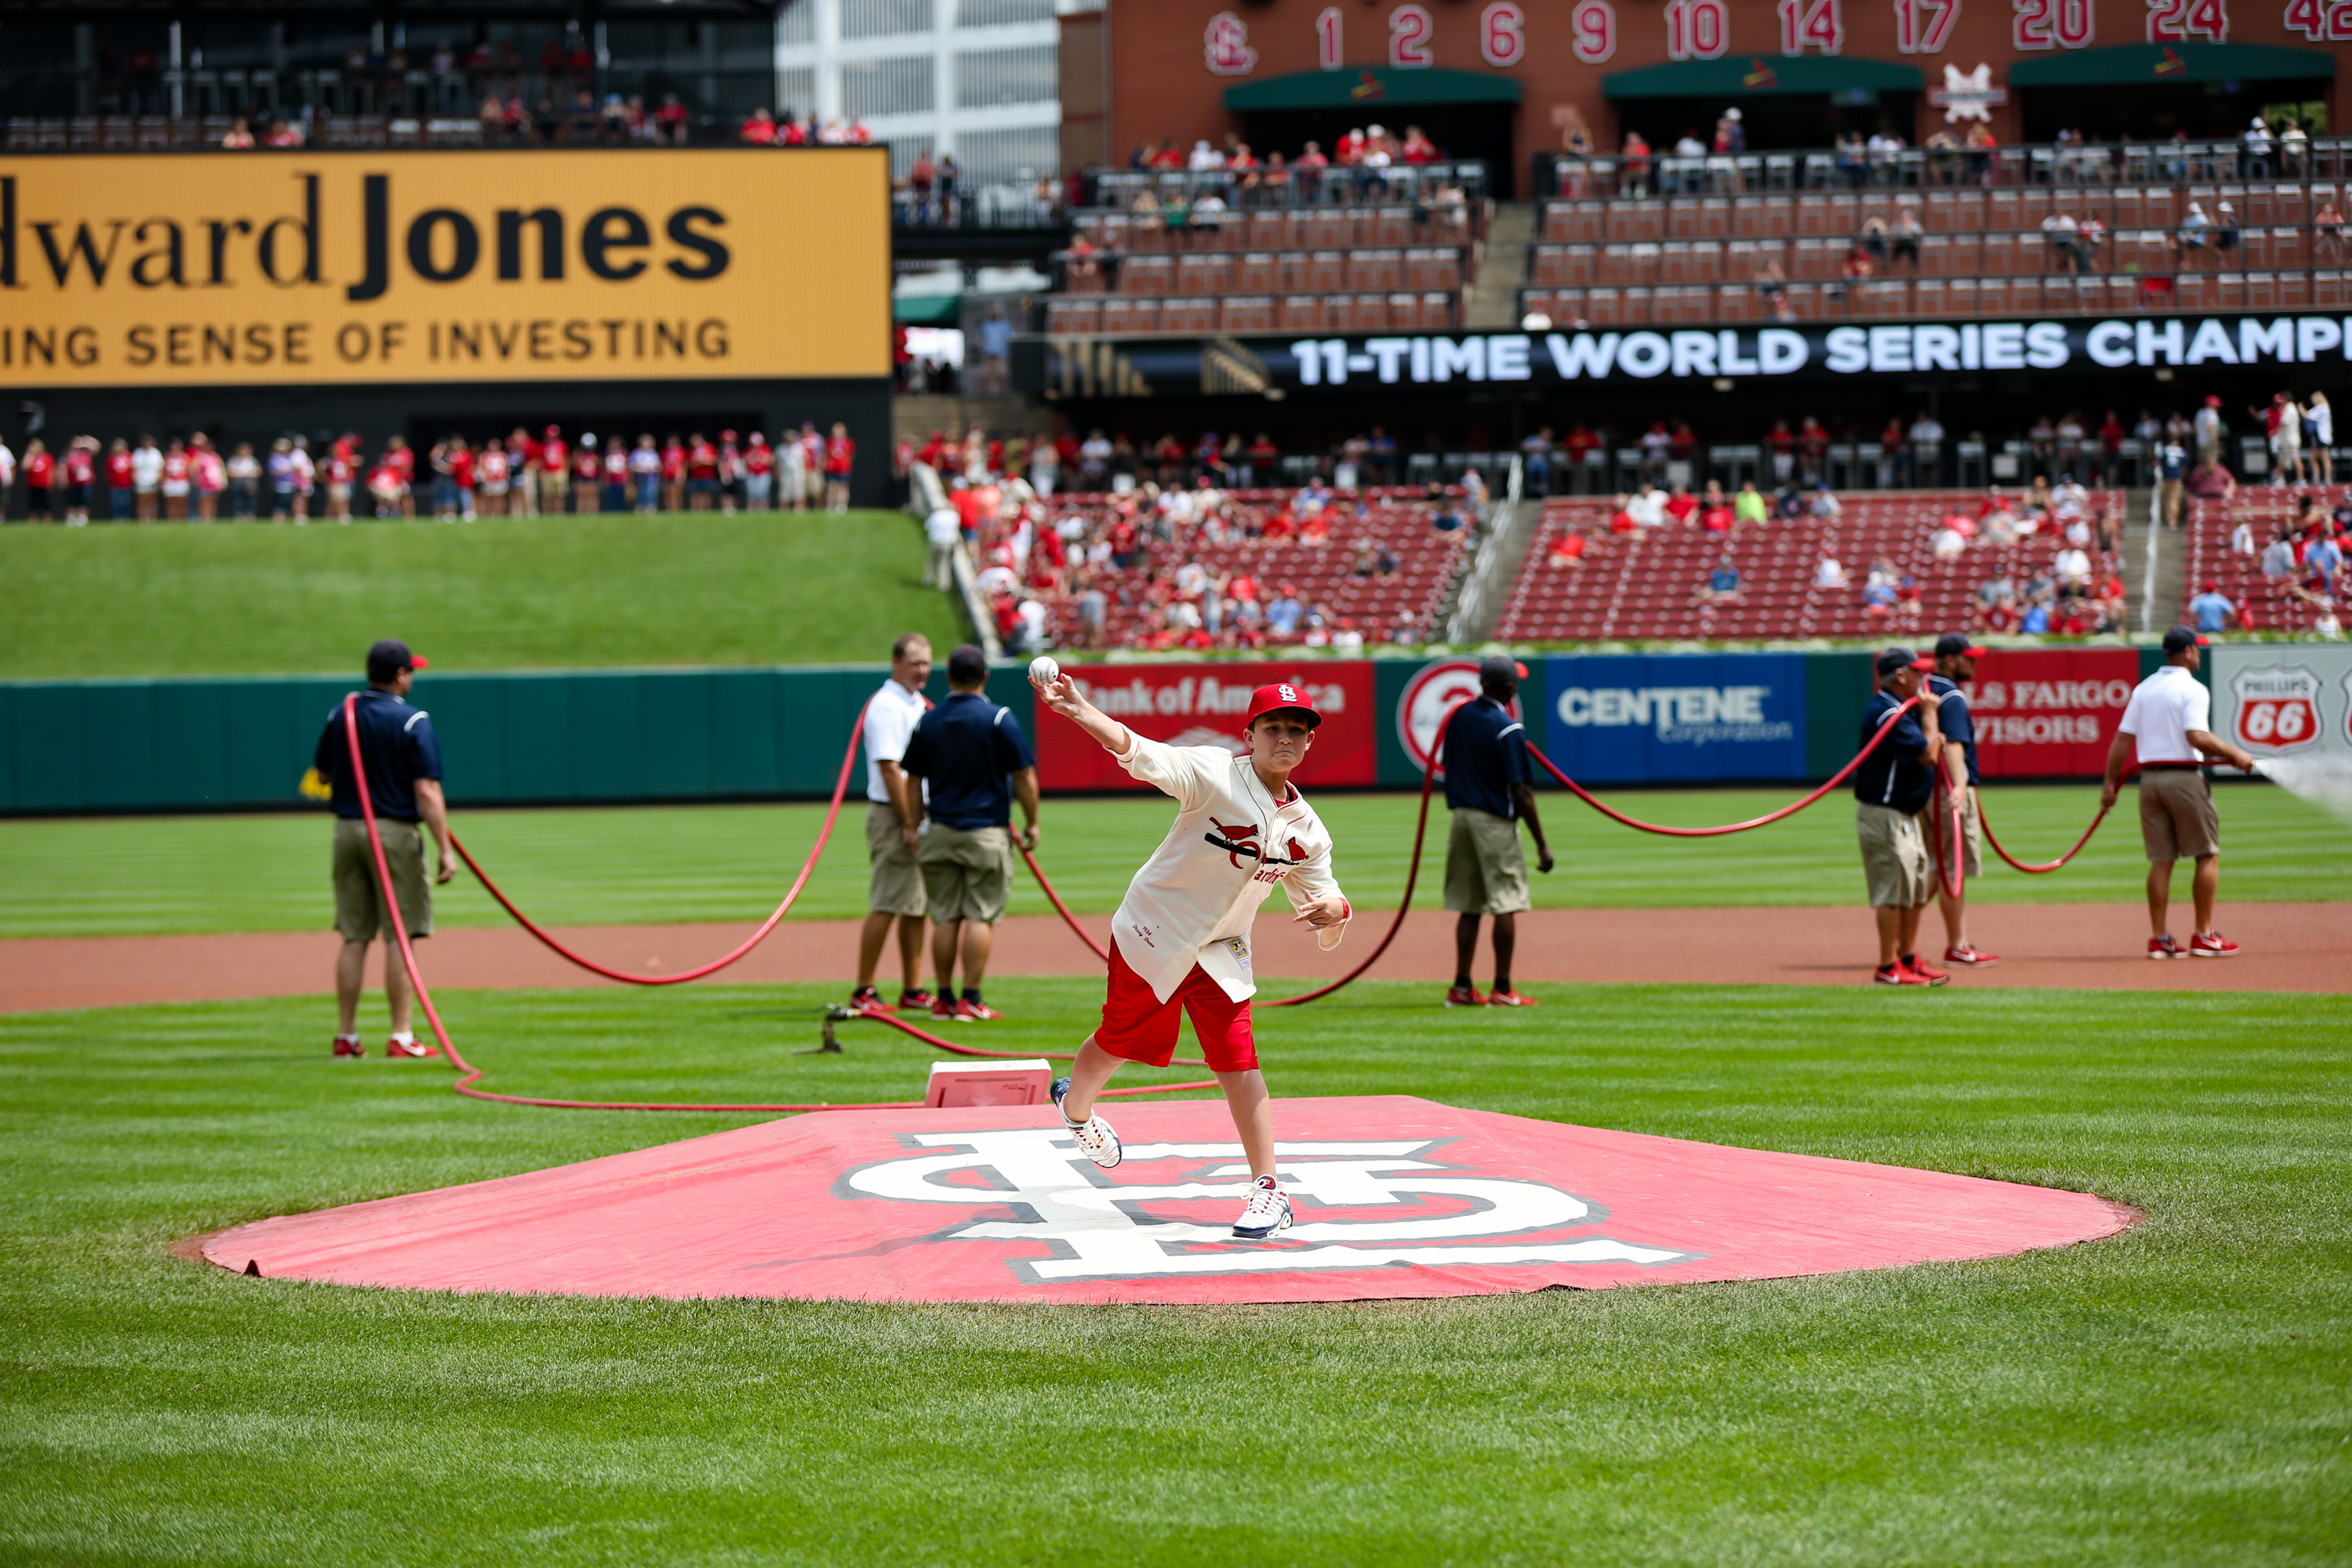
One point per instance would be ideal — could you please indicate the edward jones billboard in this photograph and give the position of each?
(234, 269)
(1206, 705)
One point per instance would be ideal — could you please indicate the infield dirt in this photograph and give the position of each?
(2287, 947)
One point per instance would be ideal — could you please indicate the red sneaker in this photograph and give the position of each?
(412, 1048)
(1975, 957)
(976, 1012)
(914, 1001)
(1932, 976)
(1510, 999)
(2210, 944)
(348, 1046)
(865, 999)
(943, 1008)
(1465, 996)
(2165, 947)
(1904, 974)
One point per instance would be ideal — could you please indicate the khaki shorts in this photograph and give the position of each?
(2176, 819)
(967, 872)
(1972, 836)
(359, 904)
(897, 887)
(1486, 871)
(1893, 856)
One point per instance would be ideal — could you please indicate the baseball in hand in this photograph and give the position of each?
(1042, 670)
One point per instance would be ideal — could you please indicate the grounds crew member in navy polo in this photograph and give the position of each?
(1955, 663)
(1490, 788)
(404, 768)
(1892, 786)
(2167, 721)
(893, 816)
(976, 762)
(1181, 940)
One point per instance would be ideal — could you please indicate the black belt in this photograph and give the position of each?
(2175, 767)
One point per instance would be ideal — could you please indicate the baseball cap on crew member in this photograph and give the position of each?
(1282, 697)
(1895, 658)
(2181, 637)
(1952, 645)
(1500, 670)
(388, 657)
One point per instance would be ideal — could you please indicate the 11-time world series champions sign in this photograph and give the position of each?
(240, 269)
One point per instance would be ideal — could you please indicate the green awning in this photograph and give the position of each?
(1760, 75)
(1372, 87)
(926, 309)
(2154, 64)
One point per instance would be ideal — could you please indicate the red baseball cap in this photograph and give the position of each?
(1282, 697)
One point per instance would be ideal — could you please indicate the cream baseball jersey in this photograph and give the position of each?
(1195, 899)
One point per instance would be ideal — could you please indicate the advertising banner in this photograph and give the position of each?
(1802, 352)
(1207, 705)
(2283, 699)
(2050, 713)
(1676, 718)
(243, 268)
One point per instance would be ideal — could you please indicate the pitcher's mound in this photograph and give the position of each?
(1394, 1195)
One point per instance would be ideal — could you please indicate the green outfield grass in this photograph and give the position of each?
(121, 875)
(500, 593)
(2181, 1394)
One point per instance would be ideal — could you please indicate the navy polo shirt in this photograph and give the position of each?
(399, 746)
(1486, 754)
(1893, 774)
(968, 748)
(1953, 718)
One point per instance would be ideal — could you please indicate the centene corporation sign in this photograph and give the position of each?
(1903, 349)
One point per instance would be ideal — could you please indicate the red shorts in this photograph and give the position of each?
(1138, 1027)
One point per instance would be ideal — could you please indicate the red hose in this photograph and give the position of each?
(1950, 853)
(469, 1074)
(2047, 866)
(832, 814)
(1588, 798)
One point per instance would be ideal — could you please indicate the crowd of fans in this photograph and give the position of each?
(1133, 535)
(2303, 559)
(191, 479)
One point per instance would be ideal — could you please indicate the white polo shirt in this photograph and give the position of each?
(2163, 708)
(890, 721)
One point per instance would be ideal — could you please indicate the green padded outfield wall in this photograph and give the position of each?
(506, 739)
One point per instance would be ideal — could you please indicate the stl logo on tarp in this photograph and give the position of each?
(2277, 707)
(1360, 1205)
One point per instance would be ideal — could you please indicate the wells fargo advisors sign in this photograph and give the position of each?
(248, 267)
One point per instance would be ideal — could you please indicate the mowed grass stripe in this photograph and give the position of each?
(552, 593)
(2175, 1394)
(135, 875)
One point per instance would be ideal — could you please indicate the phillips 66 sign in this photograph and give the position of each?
(2282, 699)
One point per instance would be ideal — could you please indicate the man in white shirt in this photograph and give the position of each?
(1181, 941)
(893, 809)
(2167, 723)
(146, 476)
(941, 531)
(2072, 566)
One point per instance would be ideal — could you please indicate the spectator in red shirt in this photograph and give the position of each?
(760, 130)
(702, 472)
(80, 468)
(523, 471)
(40, 479)
(1681, 504)
(117, 479)
(840, 456)
(670, 120)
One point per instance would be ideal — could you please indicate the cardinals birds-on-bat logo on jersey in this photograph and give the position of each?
(1238, 841)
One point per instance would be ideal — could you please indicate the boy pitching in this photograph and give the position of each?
(1180, 942)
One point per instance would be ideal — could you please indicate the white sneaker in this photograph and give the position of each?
(1267, 1213)
(1093, 1136)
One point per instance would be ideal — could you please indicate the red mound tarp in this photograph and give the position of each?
(1395, 1196)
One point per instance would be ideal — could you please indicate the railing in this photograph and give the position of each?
(1118, 189)
(1023, 205)
(1559, 174)
(1969, 463)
